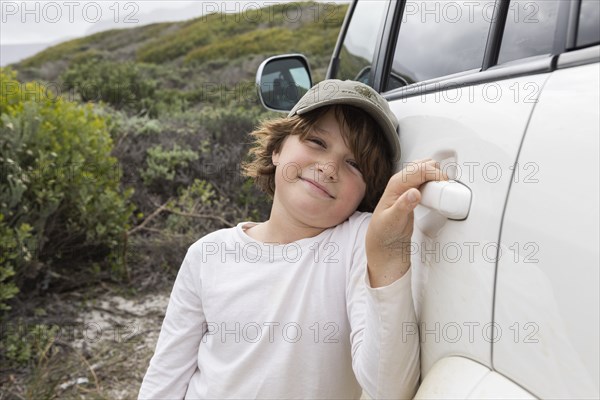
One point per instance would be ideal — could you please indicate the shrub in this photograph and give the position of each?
(119, 84)
(24, 343)
(230, 125)
(11, 246)
(60, 197)
(161, 164)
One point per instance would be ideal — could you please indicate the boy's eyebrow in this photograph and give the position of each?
(319, 129)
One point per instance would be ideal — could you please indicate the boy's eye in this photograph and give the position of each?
(316, 141)
(353, 164)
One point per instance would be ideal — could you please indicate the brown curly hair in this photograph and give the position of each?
(361, 132)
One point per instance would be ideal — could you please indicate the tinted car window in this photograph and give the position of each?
(529, 30)
(356, 55)
(440, 38)
(589, 23)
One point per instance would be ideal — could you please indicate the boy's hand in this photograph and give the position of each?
(391, 227)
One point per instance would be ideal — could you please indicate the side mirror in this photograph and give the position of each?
(281, 81)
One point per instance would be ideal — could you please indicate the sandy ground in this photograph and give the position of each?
(111, 326)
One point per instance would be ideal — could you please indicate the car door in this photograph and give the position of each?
(548, 283)
(547, 289)
(438, 65)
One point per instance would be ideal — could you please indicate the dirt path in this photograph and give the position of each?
(93, 345)
(120, 334)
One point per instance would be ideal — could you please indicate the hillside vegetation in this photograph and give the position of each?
(202, 43)
(118, 150)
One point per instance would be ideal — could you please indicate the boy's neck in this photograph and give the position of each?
(282, 230)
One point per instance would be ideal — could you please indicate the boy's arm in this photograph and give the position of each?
(176, 356)
(384, 337)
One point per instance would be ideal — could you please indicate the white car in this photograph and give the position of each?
(506, 95)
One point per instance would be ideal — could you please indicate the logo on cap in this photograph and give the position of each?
(364, 92)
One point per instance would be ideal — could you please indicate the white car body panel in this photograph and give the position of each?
(550, 290)
(481, 133)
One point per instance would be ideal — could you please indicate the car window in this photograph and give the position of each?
(356, 54)
(439, 38)
(529, 29)
(589, 23)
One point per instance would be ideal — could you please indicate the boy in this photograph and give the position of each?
(310, 303)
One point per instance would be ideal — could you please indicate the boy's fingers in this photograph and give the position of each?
(420, 161)
(412, 176)
(407, 202)
(424, 172)
(410, 199)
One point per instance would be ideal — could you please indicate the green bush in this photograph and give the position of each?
(60, 197)
(161, 164)
(229, 125)
(119, 84)
(11, 248)
(23, 343)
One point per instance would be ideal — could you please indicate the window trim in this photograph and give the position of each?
(386, 54)
(573, 25)
(381, 46)
(575, 58)
(563, 26)
(574, 30)
(537, 65)
(496, 32)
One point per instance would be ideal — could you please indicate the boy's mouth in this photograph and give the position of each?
(318, 186)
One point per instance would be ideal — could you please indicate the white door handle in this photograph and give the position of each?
(451, 199)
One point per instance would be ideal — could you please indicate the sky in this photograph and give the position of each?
(29, 26)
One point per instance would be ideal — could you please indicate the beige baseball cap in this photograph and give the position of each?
(357, 94)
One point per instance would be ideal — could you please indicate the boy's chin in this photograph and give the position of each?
(320, 218)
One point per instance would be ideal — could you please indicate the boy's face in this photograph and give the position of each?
(317, 180)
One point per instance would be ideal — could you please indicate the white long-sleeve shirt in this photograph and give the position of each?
(260, 320)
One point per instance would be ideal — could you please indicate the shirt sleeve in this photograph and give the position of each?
(176, 356)
(384, 338)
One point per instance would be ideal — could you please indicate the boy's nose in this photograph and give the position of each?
(328, 171)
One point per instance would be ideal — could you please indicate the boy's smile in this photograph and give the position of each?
(317, 181)
(317, 188)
